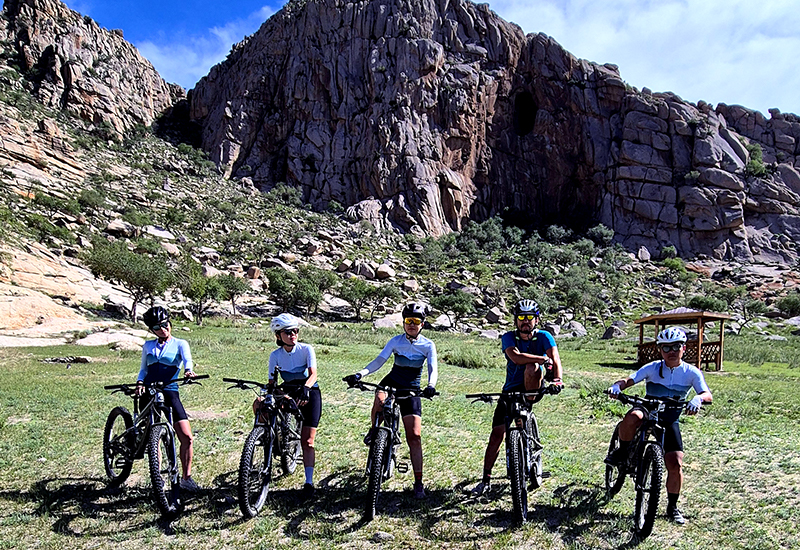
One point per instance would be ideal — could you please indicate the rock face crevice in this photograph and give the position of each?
(75, 65)
(424, 114)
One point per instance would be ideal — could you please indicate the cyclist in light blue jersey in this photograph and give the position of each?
(668, 377)
(162, 360)
(411, 351)
(296, 363)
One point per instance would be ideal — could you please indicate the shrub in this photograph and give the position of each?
(669, 252)
(232, 288)
(137, 218)
(556, 234)
(755, 166)
(286, 194)
(200, 290)
(789, 305)
(601, 235)
(90, 200)
(355, 292)
(708, 303)
(456, 304)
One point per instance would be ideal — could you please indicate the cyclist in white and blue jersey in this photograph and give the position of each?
(668, 377)
(411, 351)
(162, 360)
(296, 363)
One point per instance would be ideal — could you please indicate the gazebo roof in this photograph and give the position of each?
(682, 314)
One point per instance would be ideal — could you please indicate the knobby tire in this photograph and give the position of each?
(615, 475)
(290, 444)
(648, 490)
(534, 455)
(164, 470)
(255, 471)
(516, 472)
(379, 450)
(118, 443)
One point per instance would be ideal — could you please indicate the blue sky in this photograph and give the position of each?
(731, 51)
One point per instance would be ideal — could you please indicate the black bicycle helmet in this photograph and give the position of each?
(155, 316)
(416, 310)
(527, 307)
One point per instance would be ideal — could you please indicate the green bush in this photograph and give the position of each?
(91, 200)
(755, 166)
(708, 303)
(286, 195)
(789, 305)
(601, 235)
(456, 304)
(135, 217)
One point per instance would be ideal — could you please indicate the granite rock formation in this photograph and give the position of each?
(73, 64)
(423, 114)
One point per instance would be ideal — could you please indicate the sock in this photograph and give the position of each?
(672, 500)
(310, 475)
(418, 476)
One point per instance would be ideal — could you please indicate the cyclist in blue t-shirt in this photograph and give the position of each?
(531, 357)
(411, 351)
(672, 377)
(162, 360)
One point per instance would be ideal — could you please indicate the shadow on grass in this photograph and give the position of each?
(629, 366)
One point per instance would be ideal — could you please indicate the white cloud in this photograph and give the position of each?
(185, 60)
(730, 51)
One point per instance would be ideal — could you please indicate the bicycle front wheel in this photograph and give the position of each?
(516, 472)
(118, 442)
(290, 444)
(255, 471)
(164, 470)
(534, 448)
(615, 475)
(648, 490)
(379, 451)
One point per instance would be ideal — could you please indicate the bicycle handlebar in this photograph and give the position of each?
(368, 386)
(489, 397)
(241, 384)
(182, 381)
(647, 401)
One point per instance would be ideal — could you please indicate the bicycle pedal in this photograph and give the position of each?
(402, 467)
(546, 474)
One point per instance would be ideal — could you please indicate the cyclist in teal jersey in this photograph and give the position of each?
(162, 360)
(411, 351)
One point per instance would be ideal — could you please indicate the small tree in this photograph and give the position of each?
(356, 292)
(789, 305)
(382, 294)
(140, 275)
(202, 291)
(232, 288)
(456, 304)
(282, 287)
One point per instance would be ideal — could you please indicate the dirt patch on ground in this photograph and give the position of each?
(207, 415)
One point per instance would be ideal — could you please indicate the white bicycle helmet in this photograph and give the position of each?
(284, 321)
(527, 307)
(670, 335)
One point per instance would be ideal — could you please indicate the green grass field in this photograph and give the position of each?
(742, 465)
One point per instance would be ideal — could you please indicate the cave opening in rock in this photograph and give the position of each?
(524, 113)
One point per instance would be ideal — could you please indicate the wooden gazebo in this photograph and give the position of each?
(708, 352)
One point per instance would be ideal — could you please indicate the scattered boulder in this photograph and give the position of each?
(384, 271)
(494, 315)
(613, 331)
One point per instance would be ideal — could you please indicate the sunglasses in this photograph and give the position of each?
(159, 327)
(412, 321)
(526, 317)
(671, 347)
(290, 331)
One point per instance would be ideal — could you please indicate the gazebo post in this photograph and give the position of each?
(721, 343)
(700, 327)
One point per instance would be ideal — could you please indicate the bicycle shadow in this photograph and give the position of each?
(67, 499)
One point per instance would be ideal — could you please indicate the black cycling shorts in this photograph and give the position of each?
(408, 406)
(313, 409)
(171, 400)
(672, 430)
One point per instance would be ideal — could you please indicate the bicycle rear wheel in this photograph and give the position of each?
(290, 444)
(164, 470)
(118, 442)
(534, 448)
(648, 490)
(255, 471)
(379, 452)
(516, 472)
(615, 475)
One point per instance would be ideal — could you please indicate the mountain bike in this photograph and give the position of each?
(523, 444)
(128, 437)
(276, 432)
(645, 460)
(382, 457)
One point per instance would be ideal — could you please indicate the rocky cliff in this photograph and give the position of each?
(73, 64)
(422, 114)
